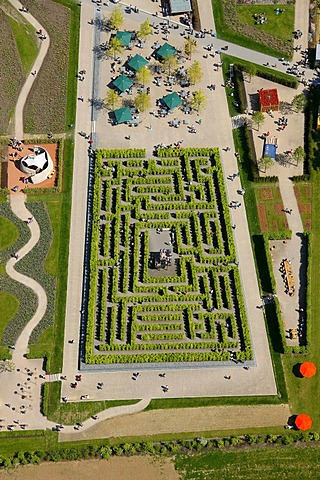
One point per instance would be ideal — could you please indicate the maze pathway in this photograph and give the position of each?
(164, 283)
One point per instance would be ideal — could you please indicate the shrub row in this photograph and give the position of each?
(163, 448)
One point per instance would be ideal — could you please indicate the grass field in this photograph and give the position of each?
(49, 92)
(26, 40)
(11, 233)
(280, 26)
(264, 463)
(12, 74)
(303, 192)
(226, 32)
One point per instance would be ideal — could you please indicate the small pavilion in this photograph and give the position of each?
(122, 115)
(137, 62)
(269, 100)
(165, 51)
(125, 38)
(122, 83)
(172, 100)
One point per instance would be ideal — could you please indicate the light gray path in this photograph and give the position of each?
(44, 46)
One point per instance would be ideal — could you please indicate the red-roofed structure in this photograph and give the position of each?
(268, 99)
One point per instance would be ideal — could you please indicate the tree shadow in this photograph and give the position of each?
(296, 370)
(97, 103)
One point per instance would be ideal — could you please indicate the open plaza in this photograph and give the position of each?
(187, 231)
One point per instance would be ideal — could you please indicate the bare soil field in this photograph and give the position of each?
(155, 422)
(45, 108)
(11, 73)
(118, 468)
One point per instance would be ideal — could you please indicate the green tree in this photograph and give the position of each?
(116, 19)
(145, 30)
(257, 119)
(142, 101)
(299, 155)
(195, 73)
(144, 76)
(115, 47)
(250, 70)
(199, 100)
(299, 102)
(190, 46)
(170, 64)
(112, 99)
(265, 162)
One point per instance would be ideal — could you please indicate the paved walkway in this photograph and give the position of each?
(44, 46)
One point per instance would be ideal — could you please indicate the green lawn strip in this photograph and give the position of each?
(19, 441)
(11, 233)
(70, 413)
(197, 402)
(225, 32)
(26, 40)
(281, 25)
(290, 462)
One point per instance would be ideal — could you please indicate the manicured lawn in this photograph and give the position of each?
(225, 32)
(11, 233)
(271, 463)
(26, 40)
(280, 26)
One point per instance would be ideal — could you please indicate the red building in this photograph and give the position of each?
(268, 99)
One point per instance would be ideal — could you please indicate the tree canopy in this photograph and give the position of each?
(115, 47)
(195, 73)
(116, 19)
(144, 76)
(190, 46)
(257, 119)
(112, 100)
(143, 101)
(199, 100)
(145, 30)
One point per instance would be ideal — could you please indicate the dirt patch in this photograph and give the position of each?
(307, 224)
(275, 225)
(266, 193)
(308, 190)
(297, 191)
(263, 218)
(118, 468)
(278, 209)
(305, 208)
(185, 420)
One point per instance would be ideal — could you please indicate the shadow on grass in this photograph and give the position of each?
(296, 370)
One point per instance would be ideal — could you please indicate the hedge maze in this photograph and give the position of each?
(164, 285)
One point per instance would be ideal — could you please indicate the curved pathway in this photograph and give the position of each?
(17, 203)
(44, 46)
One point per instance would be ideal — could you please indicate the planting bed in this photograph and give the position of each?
(164, 283)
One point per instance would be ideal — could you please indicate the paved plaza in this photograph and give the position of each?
(213, 129)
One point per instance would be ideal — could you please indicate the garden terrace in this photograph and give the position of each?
(164, 282)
